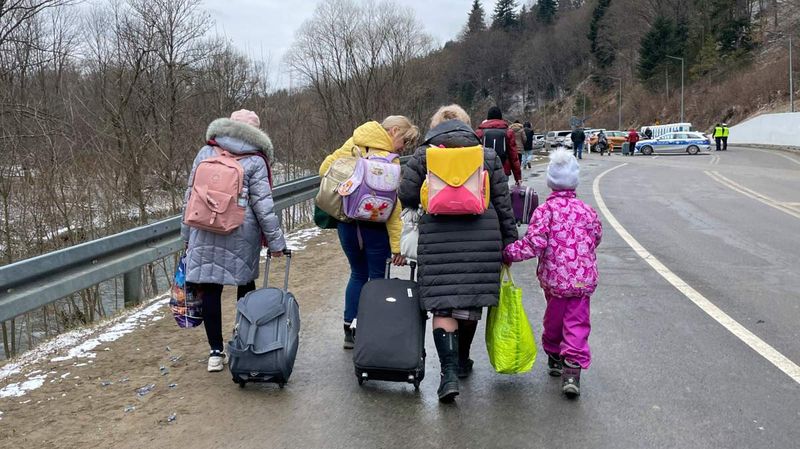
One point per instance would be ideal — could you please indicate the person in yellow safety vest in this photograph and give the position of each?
(718, 131)
(725, 133)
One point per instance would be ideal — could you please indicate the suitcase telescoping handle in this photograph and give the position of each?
(411, 264)
(288, 253)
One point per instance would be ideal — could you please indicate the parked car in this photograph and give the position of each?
(538, 141)
(559, 138)
(680, 142)
(615, 140)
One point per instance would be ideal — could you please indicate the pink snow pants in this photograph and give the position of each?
(566, 329)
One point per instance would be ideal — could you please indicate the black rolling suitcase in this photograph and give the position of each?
(390, 332)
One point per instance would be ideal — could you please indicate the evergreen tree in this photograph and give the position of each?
(546, 11)
(476, 22)
(602, 51)
(664, 38)
(505, 15)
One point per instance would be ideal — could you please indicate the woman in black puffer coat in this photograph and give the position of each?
(459, 256)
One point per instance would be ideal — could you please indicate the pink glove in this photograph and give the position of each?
(506, 259)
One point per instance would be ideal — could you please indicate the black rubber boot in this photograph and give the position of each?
(571, 380)
(466, 332)
(447, 347)
(349, 337)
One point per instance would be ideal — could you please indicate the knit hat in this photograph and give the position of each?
(563, 171)
(494, 114)
(245, 116)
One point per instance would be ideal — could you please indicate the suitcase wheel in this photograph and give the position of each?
(360, 381)
(416, 385)
(281, 385)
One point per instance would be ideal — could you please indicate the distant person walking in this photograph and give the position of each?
(578, 138)
(602, 142)
(719, 131)
(527, 147)
(495, 134)
(213, 259)
(367, 245)
(519, 138)
(725, 133)
(633, 138)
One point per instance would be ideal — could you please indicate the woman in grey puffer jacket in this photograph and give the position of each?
(214, 260)
(459, 256)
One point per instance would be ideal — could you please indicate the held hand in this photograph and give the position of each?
(506, 259)
(398, 260)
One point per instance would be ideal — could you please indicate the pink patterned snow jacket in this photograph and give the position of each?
(563, 234)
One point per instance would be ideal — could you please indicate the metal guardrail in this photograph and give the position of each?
(32, 283)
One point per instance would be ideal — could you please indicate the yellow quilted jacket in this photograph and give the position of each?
(371, 135)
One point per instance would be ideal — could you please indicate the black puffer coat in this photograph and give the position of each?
(460, 256)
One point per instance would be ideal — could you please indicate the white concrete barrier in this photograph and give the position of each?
(768, 129)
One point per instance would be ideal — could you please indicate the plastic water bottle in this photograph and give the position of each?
(244, 197)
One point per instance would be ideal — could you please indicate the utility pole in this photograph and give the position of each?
(682, 71)
(619, 105)
(791, 77)
(666, 75)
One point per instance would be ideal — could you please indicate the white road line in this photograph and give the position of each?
(776, 153)
(771, 202)
(760, 346)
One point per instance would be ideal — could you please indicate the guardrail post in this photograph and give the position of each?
(132, 287)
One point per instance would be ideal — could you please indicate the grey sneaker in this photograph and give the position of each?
(217, 361)
(349, 337)
(571, 380)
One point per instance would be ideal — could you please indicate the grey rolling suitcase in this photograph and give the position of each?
(390, 332)
(626, 148)
(266, 335)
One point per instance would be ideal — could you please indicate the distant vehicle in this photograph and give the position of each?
(679, 142)
(559, 138)
(538, 141)
(659, 130)
(615, 140)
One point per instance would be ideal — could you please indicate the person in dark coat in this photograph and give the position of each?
(459, 257)
(494, 124)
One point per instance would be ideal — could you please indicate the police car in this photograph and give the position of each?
(676, 142)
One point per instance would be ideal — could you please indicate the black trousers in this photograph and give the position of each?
(719, 140)
(724, 143)
(212, 310)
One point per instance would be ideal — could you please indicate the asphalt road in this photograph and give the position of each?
(664, 374)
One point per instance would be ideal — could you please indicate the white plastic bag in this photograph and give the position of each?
(409, 238)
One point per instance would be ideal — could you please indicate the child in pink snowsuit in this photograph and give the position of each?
(564, 233)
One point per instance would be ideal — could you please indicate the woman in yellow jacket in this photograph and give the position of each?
(368, 245)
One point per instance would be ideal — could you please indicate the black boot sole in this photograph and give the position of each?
(449, 395)
(571, 391)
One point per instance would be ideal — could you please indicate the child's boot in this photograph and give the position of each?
(447, 347)
(554, 365)
(571, 380)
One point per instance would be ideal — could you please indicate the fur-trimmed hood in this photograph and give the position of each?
(249, 135)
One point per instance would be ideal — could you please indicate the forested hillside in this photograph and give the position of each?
(103, 105)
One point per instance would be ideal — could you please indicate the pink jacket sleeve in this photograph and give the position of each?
(535, 241)
(598, 231)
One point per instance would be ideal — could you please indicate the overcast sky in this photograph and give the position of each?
(266, 27)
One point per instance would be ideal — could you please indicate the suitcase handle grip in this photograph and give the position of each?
(288, 253)
(411, 264)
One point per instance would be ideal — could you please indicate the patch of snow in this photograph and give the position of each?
(18, 389)
(296, 241)
(77, 345)
(115, 331)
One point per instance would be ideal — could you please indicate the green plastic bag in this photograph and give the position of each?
(323, 220)
(509, 338)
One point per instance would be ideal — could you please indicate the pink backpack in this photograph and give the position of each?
(218, 199)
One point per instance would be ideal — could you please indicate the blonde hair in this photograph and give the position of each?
(407, 130)
(450, 112)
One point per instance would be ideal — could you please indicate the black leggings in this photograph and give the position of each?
(212, 310)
